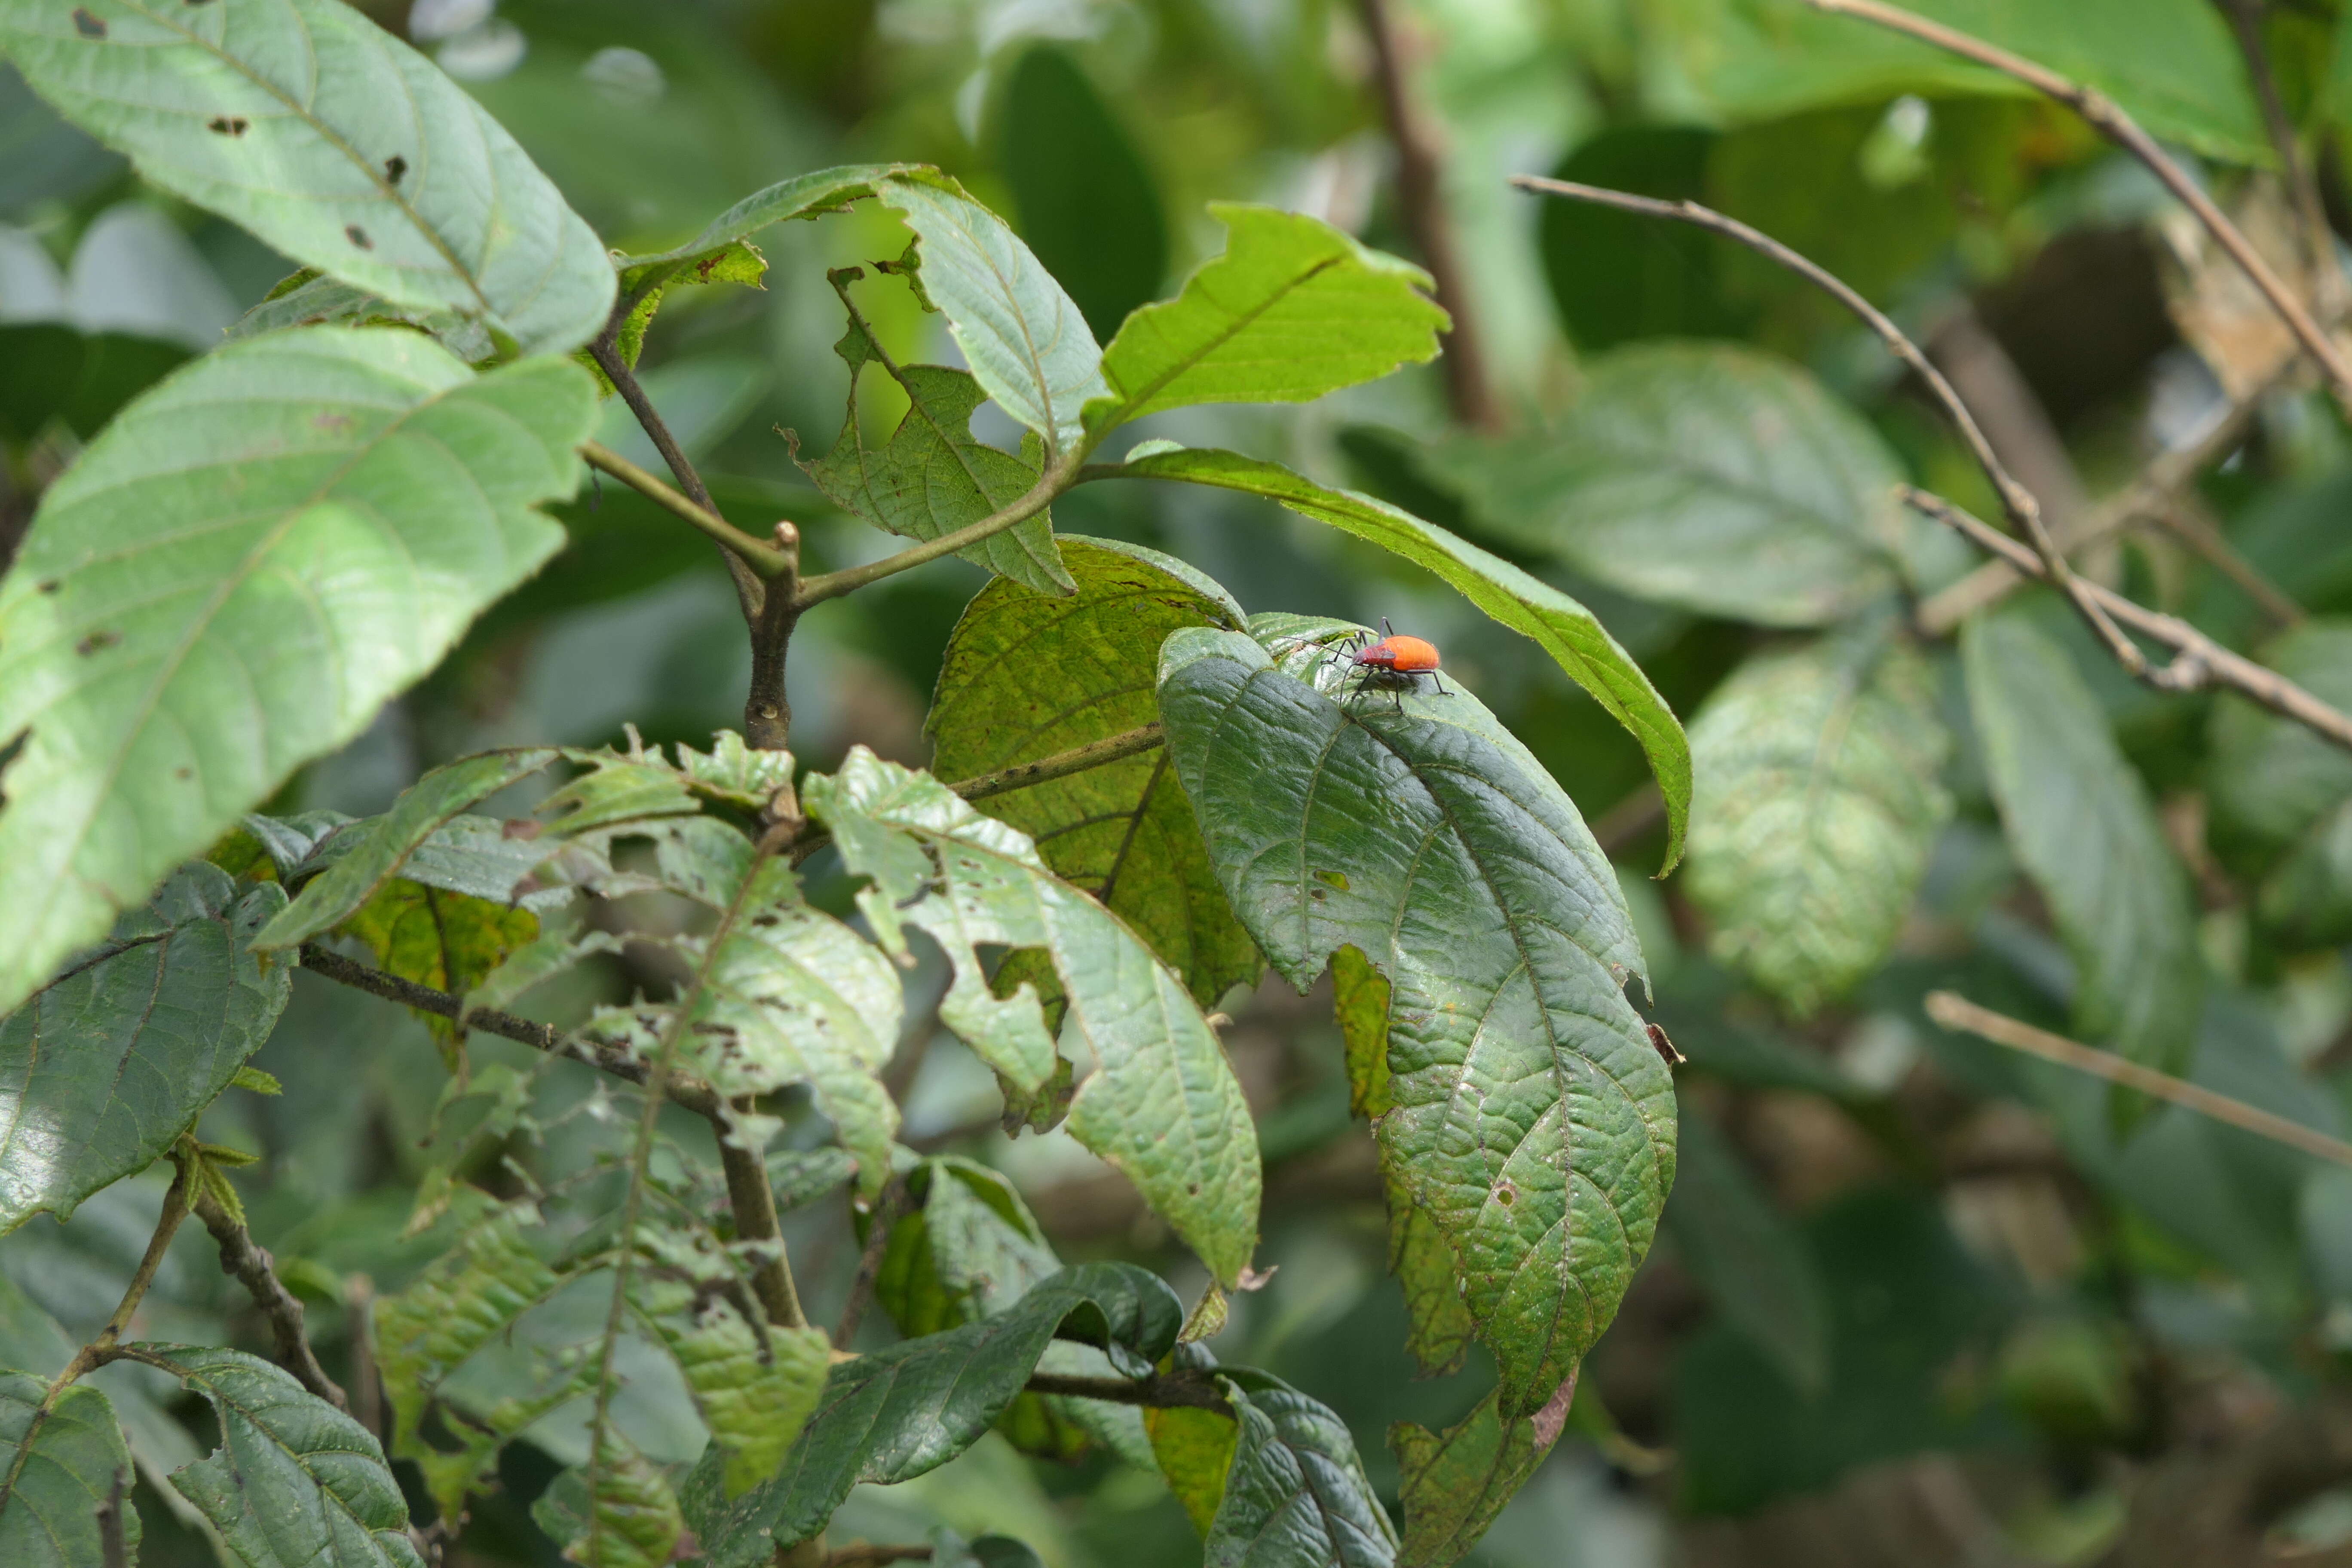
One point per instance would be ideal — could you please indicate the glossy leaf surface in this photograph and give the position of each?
(1296, 1494)
(49, 1517)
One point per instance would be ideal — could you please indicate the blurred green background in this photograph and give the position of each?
(1916, 1301)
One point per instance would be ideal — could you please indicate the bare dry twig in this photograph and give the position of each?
(2110, 121)
(1956, 1012)
(2016, 500)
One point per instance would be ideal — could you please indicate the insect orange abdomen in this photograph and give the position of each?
(1409, 654)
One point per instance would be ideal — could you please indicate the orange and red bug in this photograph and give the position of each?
(1395, 664)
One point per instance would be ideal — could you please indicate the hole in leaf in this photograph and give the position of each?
(97, 640)
(227, 125)
(358, 237)
(1505, 1194)
(394, 167)
(87, 26)
(1333, 880)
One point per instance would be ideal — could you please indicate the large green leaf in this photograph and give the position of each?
(1028, 676)
(1816, 808)
(102, 1070)
(1296, 1494)
(1563, 629)
(1293, 308)
(1708, 476)
(48, 1516)
(2083, 826)
(971, 1249)
(1086, 201)
(1453, 1483)
(1024, 340)
(899, 1412)
(1529, 1113)
(634, 1513)
(231, 581)
(933, 476)
(337, 143)
(295, 1481)
(1162, 1104)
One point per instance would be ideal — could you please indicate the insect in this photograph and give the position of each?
(1393, 665)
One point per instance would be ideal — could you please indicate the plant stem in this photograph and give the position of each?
(1958, 1012)
(1076, 760)
(767, 706)
(606, 351)
(103, 1349)
(689, 1091)
(755, 1205)
(743, 550)
(2015, 498)
(2198, 661)
(1421, 198)
(2111, 122)
(887, 1208)
(1059, 475)
(251, 1266)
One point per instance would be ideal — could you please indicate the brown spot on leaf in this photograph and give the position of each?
(394, 167)
(183, 773)
(1664, 1046)
(49, 585)
(334, 424)
(1505, 1194)
(87, 26)
(97, 640)
(229, 125)
(519, 827)
(358, 237)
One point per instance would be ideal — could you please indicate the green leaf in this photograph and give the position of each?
(49, 1517)
(295, 1480)
(636, 1519)
(1563, 629)
(934, 476)
(2273, 780)
(1296, 1494)
(1023, 338)
(447, 940)
(80, 379)
(899, 1412)
(971, 1250)
(335, 142)
(1453, 1484)
(102, 1070)
(1752, 1263)
(1530, 1114)
(1710, 477)
(1162, 1104)
(1817, 806)
(325, 512)
(1028, 676)
(1294, 308)
(371, 854)
(311, 298)
(2084, 828)
(1086, 201)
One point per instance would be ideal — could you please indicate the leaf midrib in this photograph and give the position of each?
(1128, 408)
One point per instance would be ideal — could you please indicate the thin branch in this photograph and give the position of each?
(113, 1551)
(1421, 198)
(887, 1210)
(2198, 661)
(1060, 476)
(1956, 1012)
(2186, 520)
(2302, 185)
(1161, 1391)
(2165, 477)
(764, 561)
(251, 1266)
(367, 1375)
(604, 1055)
(606, 351)
(753, 1204)
(1078, 760)
(2015, 498)
(2104, 116)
